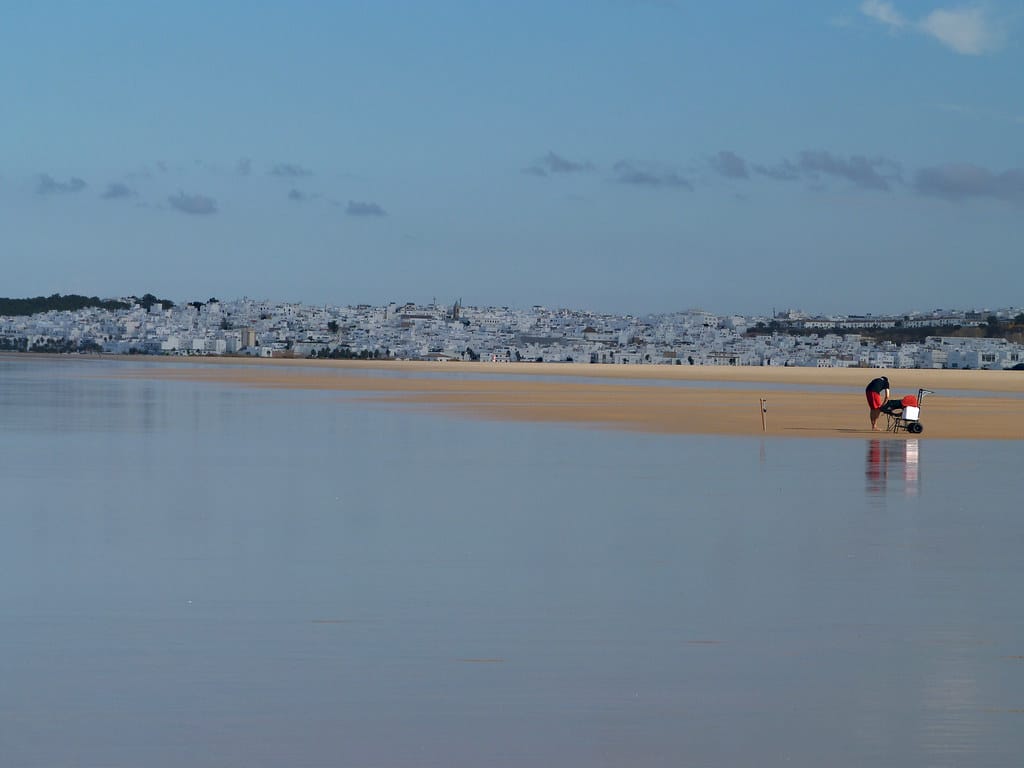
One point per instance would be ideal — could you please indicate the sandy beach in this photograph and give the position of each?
(801, 402)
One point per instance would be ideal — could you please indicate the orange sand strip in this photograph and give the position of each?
(700, 405)
(903, 380)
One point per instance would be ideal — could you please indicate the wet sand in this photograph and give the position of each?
(709, 400)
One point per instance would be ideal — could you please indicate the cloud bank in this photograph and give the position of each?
(290, 171)
(556, 164)
(625, 172)
(785, 171)
(868, 173)
(117, 191)
(876, 173)
(955, 182)
(962, 181)
(356, 208)
(197, 205)
(730, 165)
(47, 185)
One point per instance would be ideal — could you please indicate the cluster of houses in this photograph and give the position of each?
(501, 334)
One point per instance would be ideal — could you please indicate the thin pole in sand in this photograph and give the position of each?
(764, 410)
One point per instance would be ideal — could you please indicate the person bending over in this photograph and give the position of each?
(877, 392)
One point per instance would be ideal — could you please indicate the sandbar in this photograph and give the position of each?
(709, 400)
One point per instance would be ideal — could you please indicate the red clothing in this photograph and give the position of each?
(875, 391)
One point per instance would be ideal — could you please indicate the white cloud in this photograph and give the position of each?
(965, 30)
(883, 12)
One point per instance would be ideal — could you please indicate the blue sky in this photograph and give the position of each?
(616, 155)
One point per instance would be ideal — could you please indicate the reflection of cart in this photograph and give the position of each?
(905, 414)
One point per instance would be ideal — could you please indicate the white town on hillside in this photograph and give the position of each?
(500, 334)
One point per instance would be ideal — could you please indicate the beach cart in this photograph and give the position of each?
(905, 413)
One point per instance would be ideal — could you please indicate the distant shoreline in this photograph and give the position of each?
(708, 401)
(910, 378)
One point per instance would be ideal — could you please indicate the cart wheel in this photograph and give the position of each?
(915, 428)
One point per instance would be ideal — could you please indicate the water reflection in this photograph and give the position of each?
(892, 461)
(249, 577)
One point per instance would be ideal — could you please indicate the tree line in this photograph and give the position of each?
(994, 328)
(73, 302)
(54, 346)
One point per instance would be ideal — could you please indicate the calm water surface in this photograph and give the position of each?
(205, 575)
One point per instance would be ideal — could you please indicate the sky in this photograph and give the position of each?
(612, 155)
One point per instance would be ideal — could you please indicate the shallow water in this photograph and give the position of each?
(207, 575)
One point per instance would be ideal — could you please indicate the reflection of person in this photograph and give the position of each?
(875, 470)
(877, 392)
